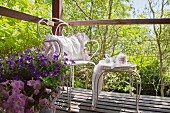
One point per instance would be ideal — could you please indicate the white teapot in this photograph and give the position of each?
(108, 59)
(121, 59)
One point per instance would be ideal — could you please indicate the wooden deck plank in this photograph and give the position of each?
(121, 105)
(110, 102)
(82, 98)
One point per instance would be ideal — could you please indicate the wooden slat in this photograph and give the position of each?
(110, 102)
(26, 17)
(120, 102)
(19, 15)
(120, 22)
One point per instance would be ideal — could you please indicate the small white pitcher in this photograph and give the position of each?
(108, 59)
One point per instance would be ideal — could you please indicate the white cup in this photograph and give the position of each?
(121, 59)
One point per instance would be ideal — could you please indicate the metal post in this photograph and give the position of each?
(56, 12)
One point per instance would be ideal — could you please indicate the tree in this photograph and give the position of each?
(158, 30)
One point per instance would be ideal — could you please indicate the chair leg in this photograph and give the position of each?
(72, 76)
(70, 89)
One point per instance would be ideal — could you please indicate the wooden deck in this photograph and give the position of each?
(110, 102)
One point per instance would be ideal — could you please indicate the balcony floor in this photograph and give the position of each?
(110, 102)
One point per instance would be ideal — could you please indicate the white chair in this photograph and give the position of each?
(55, 44)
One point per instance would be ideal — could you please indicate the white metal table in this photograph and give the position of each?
(131, 68)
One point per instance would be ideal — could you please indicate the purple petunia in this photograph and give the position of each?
(12, 98)
(5, 83)
(43, 102)
(72, 61)
(51, 73)
(48, 90)
(18, 104)
(20, 110)
(30, 82)
(37, 85)
(28, 51)
(36, 91)
(31, 110)
(55, 57)
(15, 91)
(17, 77)
(30, 99)
(65, 54)
(22, 97)
(17, 84)
(5, 94)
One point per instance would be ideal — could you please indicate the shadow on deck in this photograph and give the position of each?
(110, 102)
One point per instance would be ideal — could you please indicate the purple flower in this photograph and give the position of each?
(21, 53)
(30, 99)
(46, 74)
(28, 51)
(1, 88)
(30, 82)
(65, 54)
(17, 77)
(65, 63)
(10, 110)
(20, 109)
(55, 57)
(63, 88)
(31, 110)
(17, 84)
(38, 75)
(22, 97)
(33, 72)
(36, 91)
(43, 102)
(18, 104)
(48, 90)
(5, 94)
(37, 85)
(43, 49)
(57, 69)
(8, 61)
(5, 83)
(6, 105)
(65, 59)
(52, 73)
(53, 94)
(61, 78)
(15, 91)
(72, 61)
(12, 98)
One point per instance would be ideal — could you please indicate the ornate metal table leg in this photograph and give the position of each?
(138, 91)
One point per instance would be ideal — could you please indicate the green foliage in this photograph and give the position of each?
(137, 42)
(16, 35)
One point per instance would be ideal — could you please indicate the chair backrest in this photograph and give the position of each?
(73, 46)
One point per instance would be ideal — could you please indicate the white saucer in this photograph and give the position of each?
(125, 65)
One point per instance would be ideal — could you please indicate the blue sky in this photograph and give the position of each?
(140, 4)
